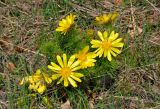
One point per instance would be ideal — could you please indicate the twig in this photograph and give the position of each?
(1, 102)
(18, 48)
(153, 6)
(154, 42)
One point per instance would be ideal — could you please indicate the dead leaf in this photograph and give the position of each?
(132, 105)
(134, 30)
(156, 89)
(23, 6)
(155, 39)
(118, 2)
(91, 106)
(10, 66)
(66, 105)
(37, 2)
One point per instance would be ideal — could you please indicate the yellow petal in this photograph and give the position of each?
(100, 35)
(31, 87)
(96, 43)
(96, 51)
(59, 59)
(116, 50)
(65, 60)
(64, 21)
(114, 16)
(118, 45)
(113, 36)
(114, 54)
(109, 56)
(59, 29)
(47, 78)
(41, 89)
(76, 68)
(78, 75)
(55, 76)
(61, 79)
(65, 82)
(105, 34)
(75, 78)
(117, 41)
(73, 83)
(56, 67)
(85, 50)
(91, 55)
(75, 64)
(105, 53)
(38, 71)
(71, 60)
(22, 82)
(52, 68)
(100, 52)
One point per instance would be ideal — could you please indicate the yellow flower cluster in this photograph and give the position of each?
(66, 69)
(37, 82)
(104, 18)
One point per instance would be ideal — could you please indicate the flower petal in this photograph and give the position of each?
(59, 59)
(113, 36)
(105, 53)
(52, 68)
(65, 60)
(95, 43)
(100, 35)
(117, 41)
(118, 45)
(71, 60)
(78, 75)
(105, 34)
(47, 78)
(85, 50)
(73, 83)
(114, 54)
(56, 67)
(55, 76)
(100, 52)
(75, 78)
(76, 68)
(116, 50)
(41, 88)
(75, 64)
(109, 56)
(65, 82)
(61, 79)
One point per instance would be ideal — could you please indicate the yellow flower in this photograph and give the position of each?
(66, 70)
(104, 18)
(107, 45)
(85, 58)
(65, 24)
(37, 82)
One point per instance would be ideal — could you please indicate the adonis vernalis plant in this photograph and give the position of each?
(66, 24)
(66, 70)
(109, 44)
(85, 58)
(37, 81)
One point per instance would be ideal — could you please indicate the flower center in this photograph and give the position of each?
(106, 44)
(66, 72)
(82, 57)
